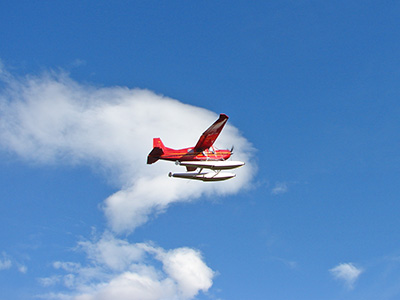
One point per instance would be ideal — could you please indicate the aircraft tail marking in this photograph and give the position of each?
(157, 143)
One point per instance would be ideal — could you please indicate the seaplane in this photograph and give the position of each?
(203, 161)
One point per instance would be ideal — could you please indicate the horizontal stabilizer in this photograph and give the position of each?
(154, 155)
(213, 165)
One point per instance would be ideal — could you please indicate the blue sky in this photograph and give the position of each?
(311, 89)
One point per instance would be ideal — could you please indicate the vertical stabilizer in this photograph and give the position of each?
(157, 143)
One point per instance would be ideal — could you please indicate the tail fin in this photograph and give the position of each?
(157, 143)
(158, 150)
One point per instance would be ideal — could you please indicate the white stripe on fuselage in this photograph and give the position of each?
(212, 164)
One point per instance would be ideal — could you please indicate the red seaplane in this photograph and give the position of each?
(202, 156)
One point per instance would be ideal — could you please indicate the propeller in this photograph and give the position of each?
(233, 147)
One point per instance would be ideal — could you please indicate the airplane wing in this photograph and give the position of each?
(209, 136)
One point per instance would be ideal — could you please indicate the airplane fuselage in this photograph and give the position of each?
(189, 154)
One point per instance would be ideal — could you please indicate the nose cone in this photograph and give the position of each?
(226, 156)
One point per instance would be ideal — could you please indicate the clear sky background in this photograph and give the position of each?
(312, 91)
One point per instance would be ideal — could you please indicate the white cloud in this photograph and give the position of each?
(23, 269)
(53, 119)
(5, 262)
(186, 267)
(114, 253)
(49, 281)
(279, 188)
(146, 272)
(67, 266)
(347, 272)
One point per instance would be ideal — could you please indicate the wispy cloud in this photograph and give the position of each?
(346, 272)
(8, 262)
(5, 261)
(291, 264)
(22, 269)
(279, 188)
(53, 119)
